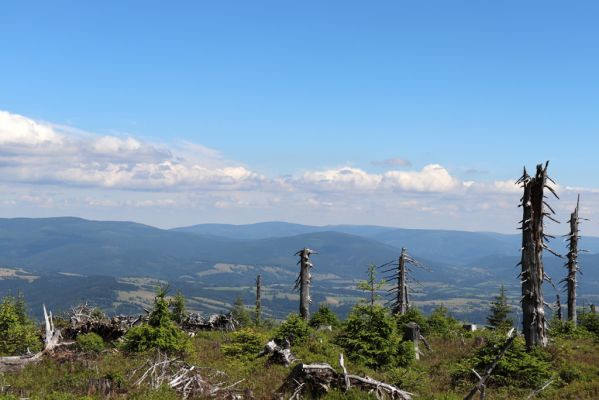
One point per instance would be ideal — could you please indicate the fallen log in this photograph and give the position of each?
(317, 379)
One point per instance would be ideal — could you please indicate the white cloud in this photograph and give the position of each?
(340, 179)
(18, 131)
(112, 145)
(63, 157)
(47, 169)
(432, 178)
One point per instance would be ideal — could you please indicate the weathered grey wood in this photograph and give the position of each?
(401, 274)
(258, 298)
(402, 292)
(412, 334)
(482, 380)
(318, 379)
(304, 281)
(51, 341)
(533, 244)
(278, 354)
(572, 263)
(539, 390)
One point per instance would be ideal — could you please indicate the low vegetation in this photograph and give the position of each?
(371, 340)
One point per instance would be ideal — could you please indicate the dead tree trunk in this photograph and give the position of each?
(304, 281)
(400, 304)
(402, 292)
(572, 263)
(533, 243)
(258, 298)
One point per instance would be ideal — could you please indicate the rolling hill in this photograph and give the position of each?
(214, 263)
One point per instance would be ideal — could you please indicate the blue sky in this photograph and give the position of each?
(296, 91)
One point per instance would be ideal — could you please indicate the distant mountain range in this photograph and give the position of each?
(229, 256)
(447, 246)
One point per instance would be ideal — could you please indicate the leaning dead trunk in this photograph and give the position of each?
(533, 243)
(304, 281)
(572, 263)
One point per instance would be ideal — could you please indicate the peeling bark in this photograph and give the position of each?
(304, 281)
(534, 241)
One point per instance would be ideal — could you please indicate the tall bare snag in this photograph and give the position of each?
(534, 241)
(572, 264)
(304, 280)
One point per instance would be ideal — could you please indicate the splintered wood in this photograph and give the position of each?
(51, 341)
(278, 354)
(304, 280)
(534, 241)
(188, 380)
(317, 379)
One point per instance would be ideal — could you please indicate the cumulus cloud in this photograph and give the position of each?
(37, 152)
(431, 178)
(45, 167)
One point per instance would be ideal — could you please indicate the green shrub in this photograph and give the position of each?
(90, 342)
(566, 329)
(370, 337)
(590, 322)
(17, 332)
(441, 324)
(293, 328)
(240, 313)
(177, 305)
(412, 315)
(160, 332)
(324, 316)
(244, 343)
(412, 379)
(517, 368)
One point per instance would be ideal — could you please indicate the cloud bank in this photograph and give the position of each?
(46, 169)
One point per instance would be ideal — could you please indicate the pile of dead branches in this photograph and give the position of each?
(215, 322)
(317, 379)
(85, 319)
(188, 380)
